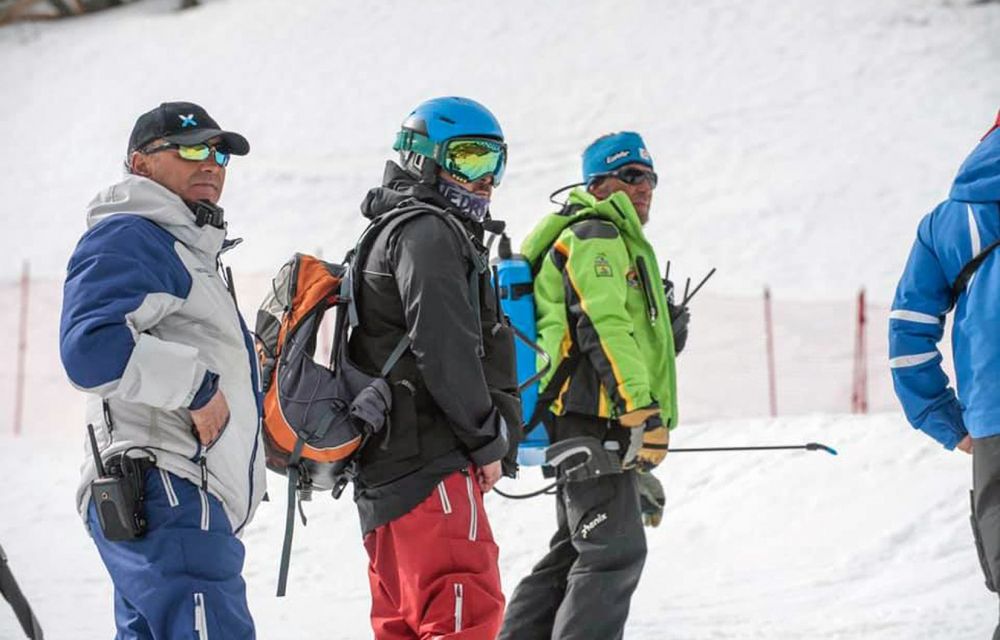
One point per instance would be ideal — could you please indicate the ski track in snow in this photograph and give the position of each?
(798, 145)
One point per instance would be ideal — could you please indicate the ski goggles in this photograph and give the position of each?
(466, 158)
(194, 152)
(633, 176)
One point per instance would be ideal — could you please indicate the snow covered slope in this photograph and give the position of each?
(873, 543)
(798, 142)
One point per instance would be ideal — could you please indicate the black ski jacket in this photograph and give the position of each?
(454, 390)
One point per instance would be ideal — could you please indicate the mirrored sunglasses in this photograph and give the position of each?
(634, 175)
(195, 152)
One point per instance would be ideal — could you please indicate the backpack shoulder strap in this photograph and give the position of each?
(389, 223)
(551, 227)
(572, 217)
(965, 275)
(356, 257)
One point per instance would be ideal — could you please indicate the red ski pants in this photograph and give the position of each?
(433, 572)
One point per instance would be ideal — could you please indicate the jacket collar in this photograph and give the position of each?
(145, 198)
(616, 208)
(399, 189)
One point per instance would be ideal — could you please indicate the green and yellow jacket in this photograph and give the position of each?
(598, 286)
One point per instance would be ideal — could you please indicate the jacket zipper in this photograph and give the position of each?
(200, 618)
(640, 265)
(254, 383)
(168, 487)
(206, 514)
(459, 596)
(651, 309)
(258, 400)
(473, 513)
(443, 495)
(106, 406)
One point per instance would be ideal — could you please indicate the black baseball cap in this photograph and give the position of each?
(182, 123)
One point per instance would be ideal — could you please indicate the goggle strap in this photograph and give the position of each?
(407, 140)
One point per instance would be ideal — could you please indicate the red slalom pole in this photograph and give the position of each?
(769, 333)
(22, 348)
(859, 394)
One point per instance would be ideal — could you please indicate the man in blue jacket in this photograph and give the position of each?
(953, 266)
(150, 330)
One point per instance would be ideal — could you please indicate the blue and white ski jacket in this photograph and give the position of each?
(147, 323)
(947, 239)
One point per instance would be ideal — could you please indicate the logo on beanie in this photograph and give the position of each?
(644, 154)
(616, 156)
(187, 121)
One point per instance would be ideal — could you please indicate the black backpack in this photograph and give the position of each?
(317, 418)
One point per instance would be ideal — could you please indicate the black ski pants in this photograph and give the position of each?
(582, 587)
(986, 508)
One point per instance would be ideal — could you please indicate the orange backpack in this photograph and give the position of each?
(308, 425)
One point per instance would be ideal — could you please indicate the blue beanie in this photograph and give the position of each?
(614, 150)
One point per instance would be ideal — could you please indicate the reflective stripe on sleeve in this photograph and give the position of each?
(974, 232)
(976, 242)
(911, 361)
(914, 316)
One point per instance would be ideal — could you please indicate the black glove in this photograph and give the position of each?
(509, 406)
(679, 319)
(651, 499)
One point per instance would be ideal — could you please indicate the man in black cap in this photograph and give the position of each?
(150, 330)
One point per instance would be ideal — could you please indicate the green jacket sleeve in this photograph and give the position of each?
(595, 262)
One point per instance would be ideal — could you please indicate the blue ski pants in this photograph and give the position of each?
(182, 580)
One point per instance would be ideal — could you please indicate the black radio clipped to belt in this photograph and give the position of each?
(118, 493)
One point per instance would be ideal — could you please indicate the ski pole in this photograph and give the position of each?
(811, 446)
(12, 593)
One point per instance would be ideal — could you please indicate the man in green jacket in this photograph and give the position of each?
(603, 318)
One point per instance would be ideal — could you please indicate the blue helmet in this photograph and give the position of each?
(442, 118)
(425, 133)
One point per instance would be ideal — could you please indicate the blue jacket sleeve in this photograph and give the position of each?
(123, 277)
(916, 325)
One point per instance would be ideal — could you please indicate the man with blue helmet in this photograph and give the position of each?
(953, 266)
(433, 562)
(603, 318)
